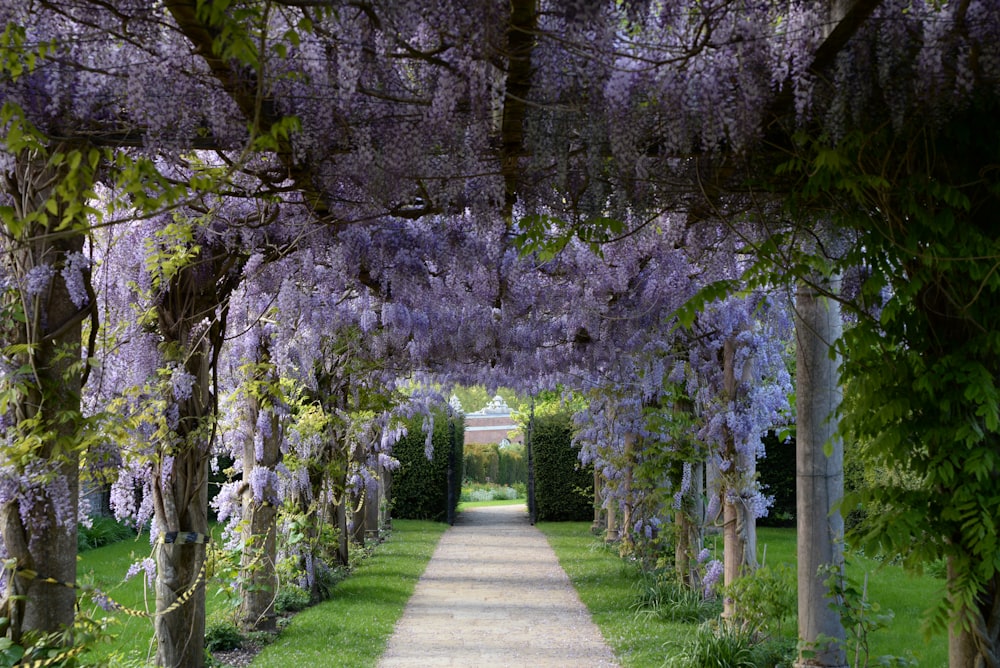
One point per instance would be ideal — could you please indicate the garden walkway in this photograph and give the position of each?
(494, 594)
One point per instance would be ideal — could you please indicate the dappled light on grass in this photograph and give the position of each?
(610, 588)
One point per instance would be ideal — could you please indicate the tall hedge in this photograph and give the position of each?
(564, 489)
(491, 463)
(420, 485)
(513, 466)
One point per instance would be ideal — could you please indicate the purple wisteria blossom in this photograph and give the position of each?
(710, 581)
(147, 566)
(76, 273)
(38, 279)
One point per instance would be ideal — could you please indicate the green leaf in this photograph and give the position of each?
(714, 291)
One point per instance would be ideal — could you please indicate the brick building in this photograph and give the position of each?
(491, 424)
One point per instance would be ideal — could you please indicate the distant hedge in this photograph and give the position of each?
(491, 463)
(564, 489)
(777, 477)
(420, 485)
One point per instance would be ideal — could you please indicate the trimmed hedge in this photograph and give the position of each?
(777, 477)
(420, 485)
(491, 463)
(564, 488)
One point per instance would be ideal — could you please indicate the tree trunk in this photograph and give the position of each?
(39, 525)
(819, 476)
(180, 472)
(690, 521)
(732, 559)
(978, 645)
(627, 545)
(180, 596)
(180, 493)
(258, 579)
(372, 504)
(385, 514)
(612, 534)
(181, 507)
(739, 528)
(358, 523)
(598, 508)
(340, 523)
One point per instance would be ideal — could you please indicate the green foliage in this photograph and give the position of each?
(420, 485)
(16, 58)
(327, 577)
(102, 531)
(489, 463)
(168, 251)
(715, 646)
(922, 359)
(222, 636)
(662, 596)
(512, 465)
(64, 648)
(305, 533)
(547, 235)
(861, 618)
(715, 291)
(491, 492)
(564, 489)
(765, 599)
(291, 598)
(475, 397)
(657, 465)
(775, 653)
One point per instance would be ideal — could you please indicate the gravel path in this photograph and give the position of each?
(493, 595)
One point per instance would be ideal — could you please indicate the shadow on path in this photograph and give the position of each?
(494, 594)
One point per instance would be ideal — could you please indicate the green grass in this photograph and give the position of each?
(105, 568)
(352, 628)
(490, 491)
(479, 504)
(607, 586)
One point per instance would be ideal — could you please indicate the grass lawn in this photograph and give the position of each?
(105, 568)
(606, 585)
(350, 629)
(499, 502)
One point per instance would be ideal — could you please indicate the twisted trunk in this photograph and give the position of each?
(192, 316)
(258, 579)
(39, 524)
(739, 529)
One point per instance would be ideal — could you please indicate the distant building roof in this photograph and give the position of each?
(491, 423)
(496, 406)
